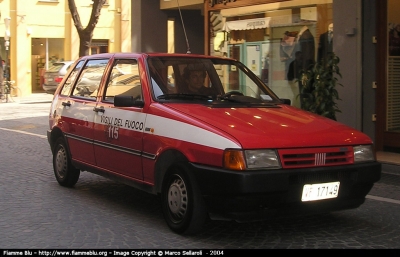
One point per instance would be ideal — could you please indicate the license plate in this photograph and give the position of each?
(49, 80)
(314, 192)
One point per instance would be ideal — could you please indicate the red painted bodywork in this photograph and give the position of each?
(284, 127)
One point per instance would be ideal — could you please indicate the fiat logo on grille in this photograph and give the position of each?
(320, 159)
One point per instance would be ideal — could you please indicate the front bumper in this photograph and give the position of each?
(48, 133)
(243, 195)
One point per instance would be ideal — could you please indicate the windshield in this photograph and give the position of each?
(206, 79)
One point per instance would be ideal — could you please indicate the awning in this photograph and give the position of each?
(259, 23)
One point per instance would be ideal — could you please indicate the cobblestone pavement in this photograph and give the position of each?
(98, 213)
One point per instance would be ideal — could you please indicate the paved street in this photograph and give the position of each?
(98, 213)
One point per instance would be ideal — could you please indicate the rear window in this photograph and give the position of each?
(56, 66)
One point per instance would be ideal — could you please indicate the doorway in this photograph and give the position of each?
(388, 76)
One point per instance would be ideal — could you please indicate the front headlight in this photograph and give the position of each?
(363, 153)
(262, 159)
(251, 159)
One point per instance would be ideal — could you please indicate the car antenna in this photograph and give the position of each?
(184, 30)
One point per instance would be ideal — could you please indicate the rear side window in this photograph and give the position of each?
(89, 79)
(71, 79)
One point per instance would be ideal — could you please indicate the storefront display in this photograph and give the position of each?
(268, 38)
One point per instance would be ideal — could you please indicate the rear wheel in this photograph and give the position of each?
(182, 204)
(65, 173)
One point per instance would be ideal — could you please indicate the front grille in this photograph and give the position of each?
(315, 157)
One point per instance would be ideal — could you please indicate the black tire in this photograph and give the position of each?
(182, 204)
(65, 173)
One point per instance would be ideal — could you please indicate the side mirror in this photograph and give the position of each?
(286, 101)
(127, 101)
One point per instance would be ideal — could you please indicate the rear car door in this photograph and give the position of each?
(77, 109)
(119, 130)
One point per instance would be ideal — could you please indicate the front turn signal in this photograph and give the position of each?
(234, 160)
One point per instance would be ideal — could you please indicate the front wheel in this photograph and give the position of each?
(66, 174)
(182, 204)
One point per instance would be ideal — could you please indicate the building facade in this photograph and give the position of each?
(38, 33)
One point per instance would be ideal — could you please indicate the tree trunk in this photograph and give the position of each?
(85, 34)
(84, 43)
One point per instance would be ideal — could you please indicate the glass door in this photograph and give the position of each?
(388, 77)
(235, 52)
(393, 74)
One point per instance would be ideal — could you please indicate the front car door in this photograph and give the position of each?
(119, 130)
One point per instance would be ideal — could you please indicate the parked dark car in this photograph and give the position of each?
(54, 75)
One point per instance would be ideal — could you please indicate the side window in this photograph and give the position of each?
(71, 79)
(90, 78)
(124, 80)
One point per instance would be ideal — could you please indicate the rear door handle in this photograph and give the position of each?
(100, 109)
(66, 104)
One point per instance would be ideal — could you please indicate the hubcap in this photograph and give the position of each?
(177, 198)
(61, 163)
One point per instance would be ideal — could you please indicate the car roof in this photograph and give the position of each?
(110, 55)
(62, 62)
(59, 66)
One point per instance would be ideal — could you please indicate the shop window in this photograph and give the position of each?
(267, 41)
(98, 46)
(94, 50)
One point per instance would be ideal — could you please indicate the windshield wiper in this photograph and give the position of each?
(238, 97)
(228, 96)
(184, 96)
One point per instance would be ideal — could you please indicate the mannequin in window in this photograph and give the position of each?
(325, 46)
(305, 43)
(288, 43)
(295, 66)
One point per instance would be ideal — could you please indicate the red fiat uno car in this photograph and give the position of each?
(206, 135)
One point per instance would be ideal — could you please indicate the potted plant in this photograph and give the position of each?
(318, 87)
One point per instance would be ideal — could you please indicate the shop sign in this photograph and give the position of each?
(258, 23)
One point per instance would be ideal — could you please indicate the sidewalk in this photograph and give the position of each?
(34, 98)
(35, 105)
(390, 161)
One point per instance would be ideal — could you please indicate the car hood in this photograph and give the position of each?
(275, 127)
